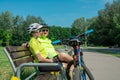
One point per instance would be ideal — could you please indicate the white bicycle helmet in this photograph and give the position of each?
(34, 27)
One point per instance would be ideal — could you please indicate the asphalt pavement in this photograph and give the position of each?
(103, 66)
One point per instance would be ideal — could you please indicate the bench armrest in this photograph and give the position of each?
(50, 66)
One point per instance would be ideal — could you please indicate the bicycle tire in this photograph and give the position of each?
(86, 71)
(76, 74)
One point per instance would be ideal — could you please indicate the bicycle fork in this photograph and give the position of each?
(78, 58)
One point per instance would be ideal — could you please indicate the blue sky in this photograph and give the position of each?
(54, 12)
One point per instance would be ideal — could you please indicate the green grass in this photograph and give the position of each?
(6, 71)
(109, 53)
(100, 49)
(58, 46)
(5, 67)
(96, 49)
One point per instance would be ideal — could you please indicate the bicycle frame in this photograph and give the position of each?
(75, 43)
(78, 59)
(77, 56)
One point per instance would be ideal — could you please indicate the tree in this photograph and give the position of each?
(5, 26)
(57, 32)
(79, 24)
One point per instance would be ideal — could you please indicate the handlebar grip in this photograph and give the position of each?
(56, 41)
(89, 31)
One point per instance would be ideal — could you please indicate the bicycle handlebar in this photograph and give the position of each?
(75, 38)
(86, 33)
(75, 41)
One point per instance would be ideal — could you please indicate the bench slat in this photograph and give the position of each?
(23, 60)
(19, 54)
(16, 48)
(16, 55)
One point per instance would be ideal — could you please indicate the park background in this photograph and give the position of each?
(106, 33)
(106, 27)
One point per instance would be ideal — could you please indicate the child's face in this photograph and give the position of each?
(45, 31)
(38, 33)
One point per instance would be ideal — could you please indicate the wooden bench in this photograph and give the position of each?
(20, 57)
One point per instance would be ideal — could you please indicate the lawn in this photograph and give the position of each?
(5, 68)
(105, 50)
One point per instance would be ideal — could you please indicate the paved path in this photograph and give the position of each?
(102, 66)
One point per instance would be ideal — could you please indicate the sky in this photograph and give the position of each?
(54, 12)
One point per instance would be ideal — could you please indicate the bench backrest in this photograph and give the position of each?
(18, 55)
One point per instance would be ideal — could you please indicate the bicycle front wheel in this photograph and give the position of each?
(82, 73)
(76, 74)
(87, 72)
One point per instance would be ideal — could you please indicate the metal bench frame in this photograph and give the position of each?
(9, 50)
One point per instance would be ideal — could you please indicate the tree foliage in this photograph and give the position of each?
(14, 29)
(57, 32)
(79, 24)
(106, 27)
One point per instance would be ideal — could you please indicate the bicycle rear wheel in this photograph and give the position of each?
(78, 73)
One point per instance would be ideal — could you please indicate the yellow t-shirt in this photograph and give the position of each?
(48, 47)
(35, 47)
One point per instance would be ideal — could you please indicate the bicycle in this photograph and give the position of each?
(80, 72)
